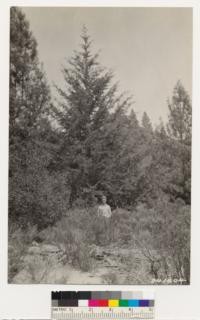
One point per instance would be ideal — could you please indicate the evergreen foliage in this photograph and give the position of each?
(91, 142)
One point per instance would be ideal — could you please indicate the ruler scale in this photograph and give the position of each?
(111, 313)
(102, 305)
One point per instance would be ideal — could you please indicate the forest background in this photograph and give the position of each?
(65, 155)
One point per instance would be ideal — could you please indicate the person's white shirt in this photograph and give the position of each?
(104, 210)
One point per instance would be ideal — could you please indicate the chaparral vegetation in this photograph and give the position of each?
(64, 154)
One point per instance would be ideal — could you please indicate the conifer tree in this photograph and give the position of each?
(88, 105)
(146, 123)
(180, 115)
(180, 131)
(29, 92)
(29, 100)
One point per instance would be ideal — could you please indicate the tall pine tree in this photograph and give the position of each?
(29, 93)
(29, 101)
(180, 131)
(88, 106)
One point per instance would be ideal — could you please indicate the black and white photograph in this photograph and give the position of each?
(100, 130)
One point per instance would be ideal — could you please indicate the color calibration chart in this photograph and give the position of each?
(103, 305)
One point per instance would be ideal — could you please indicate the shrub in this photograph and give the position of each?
(163, 235)
(18, 240)
(69, 234)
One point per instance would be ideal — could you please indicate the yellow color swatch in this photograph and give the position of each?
(113, 303)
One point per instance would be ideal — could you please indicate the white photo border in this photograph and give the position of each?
(33, 301)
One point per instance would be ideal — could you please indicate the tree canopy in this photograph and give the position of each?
(98, 145)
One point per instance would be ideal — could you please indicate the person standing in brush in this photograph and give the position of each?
(104, 209)
(104, 214)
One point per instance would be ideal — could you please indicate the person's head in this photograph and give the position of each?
(103, 199)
